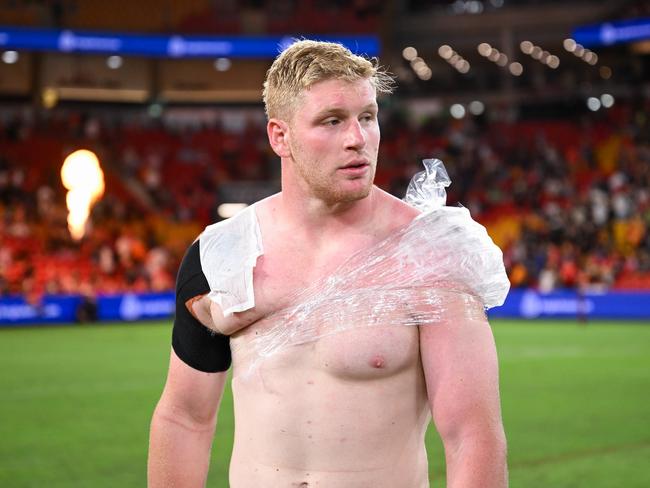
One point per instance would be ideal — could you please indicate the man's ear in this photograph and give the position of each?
(278, 133)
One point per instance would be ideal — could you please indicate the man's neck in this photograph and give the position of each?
(316, 217)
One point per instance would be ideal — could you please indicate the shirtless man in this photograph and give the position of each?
(347, 409)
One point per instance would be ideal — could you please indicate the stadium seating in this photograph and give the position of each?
(566, 201)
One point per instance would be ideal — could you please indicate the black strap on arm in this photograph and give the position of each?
(196, 345)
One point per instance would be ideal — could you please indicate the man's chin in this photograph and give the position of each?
(349, 194)
(360, 193)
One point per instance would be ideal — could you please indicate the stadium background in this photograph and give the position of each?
(546, 142)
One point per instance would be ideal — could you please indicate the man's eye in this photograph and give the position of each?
(332, 122)
(368, 117)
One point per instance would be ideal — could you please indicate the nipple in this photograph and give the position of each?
(377, 362)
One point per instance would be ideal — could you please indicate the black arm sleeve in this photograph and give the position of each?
(195, 344)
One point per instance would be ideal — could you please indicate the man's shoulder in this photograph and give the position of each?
(234, 236)
(463, 253)
(243, 217)
(398, 211)
(228, 251)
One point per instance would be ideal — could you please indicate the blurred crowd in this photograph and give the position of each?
(198, 17)
(127, 245)
(567, 200)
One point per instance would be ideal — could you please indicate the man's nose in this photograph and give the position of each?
(355, 136)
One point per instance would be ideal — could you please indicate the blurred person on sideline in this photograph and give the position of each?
(355, 411)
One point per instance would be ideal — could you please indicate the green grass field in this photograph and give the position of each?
(75, 404)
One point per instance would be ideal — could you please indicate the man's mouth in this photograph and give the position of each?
(356, 169)
(356, 164)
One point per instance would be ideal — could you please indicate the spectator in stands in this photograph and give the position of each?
(593, 190)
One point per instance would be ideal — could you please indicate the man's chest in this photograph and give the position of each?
(347, 331)
(282, 278)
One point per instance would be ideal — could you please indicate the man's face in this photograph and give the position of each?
(334, 139)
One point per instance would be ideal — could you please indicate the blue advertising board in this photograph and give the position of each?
(15, 310)
(132, 306)
(521, 303)
(609, 33)
(174, 46)
(531, 304)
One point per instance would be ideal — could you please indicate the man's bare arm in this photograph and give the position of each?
(183, 427)
(460, 365)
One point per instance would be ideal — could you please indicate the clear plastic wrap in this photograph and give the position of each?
(426, 191)
(443, 262)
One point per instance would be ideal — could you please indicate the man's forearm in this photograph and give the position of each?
(477, 462)
(179, 451)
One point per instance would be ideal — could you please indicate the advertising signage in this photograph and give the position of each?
(173, 46)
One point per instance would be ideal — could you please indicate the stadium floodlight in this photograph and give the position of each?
(516, 69)
(474, 7)
(409, 53)
(607, 100)
(10, 57)
(484, 49)
(114, 62)
(416, 61)
(425, 74)
(553, 62)
(457, 111)
(476, 107)
(593, 59)
(569, 44)
(593, 104)
(421, 70)
(526, 47)
(445, 51)
(463, 66)
(227, 210)
(222, 64)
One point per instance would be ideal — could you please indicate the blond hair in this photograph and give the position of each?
(307, 62)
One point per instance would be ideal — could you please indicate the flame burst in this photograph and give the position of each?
(82, 175)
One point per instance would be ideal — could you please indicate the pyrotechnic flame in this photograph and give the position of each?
(82, 175)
